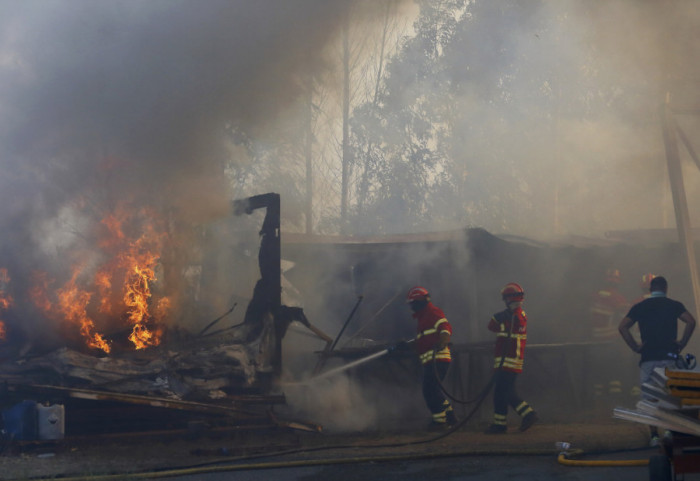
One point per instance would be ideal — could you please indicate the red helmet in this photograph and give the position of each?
(613, 275)
(645, 282)
(512, 292)
(417, 293)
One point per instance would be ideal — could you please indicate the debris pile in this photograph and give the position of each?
(672, 401)
(212, 379)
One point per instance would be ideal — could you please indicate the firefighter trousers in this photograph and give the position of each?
(504, 395)
(433, 374)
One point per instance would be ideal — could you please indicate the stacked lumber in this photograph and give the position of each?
(672, 401)
(196, 371)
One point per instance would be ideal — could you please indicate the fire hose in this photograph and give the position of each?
(564, 459)
(566, 455)
(218, 467)
(226, 465)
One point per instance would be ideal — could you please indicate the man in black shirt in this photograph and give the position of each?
(657, 317)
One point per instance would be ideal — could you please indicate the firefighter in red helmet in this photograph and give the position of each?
(644, 285)
(510, 326)
(433, 346)
(608, 305)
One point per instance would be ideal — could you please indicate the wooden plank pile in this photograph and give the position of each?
(196, 372)
(215, 379)
(671, 401)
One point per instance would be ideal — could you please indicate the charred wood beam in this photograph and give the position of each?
(270, 254)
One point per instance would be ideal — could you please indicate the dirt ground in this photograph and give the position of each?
(154, 456)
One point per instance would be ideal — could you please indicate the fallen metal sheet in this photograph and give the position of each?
(692, 426)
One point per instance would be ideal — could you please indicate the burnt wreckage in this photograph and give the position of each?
(226, 376)
(267, 319)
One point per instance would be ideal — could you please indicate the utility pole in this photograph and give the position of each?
(308, 154)
(346, 127)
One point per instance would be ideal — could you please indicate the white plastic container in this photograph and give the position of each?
(51, 421)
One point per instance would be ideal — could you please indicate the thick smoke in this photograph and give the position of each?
(140, 92)
(113, 106)
(575, 138)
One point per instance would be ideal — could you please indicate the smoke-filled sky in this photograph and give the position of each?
(111, 106)
(140, 91)
(555, 112)
(133, 97)
(128, 101)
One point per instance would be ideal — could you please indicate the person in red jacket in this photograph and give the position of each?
(608, 305)
(510, 327)
(433, 346)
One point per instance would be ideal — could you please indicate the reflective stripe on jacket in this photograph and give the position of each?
(511, 336)
(431, 322)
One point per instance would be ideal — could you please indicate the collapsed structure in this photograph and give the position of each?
(227, 373)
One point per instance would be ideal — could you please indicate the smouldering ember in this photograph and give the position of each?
(119, 290)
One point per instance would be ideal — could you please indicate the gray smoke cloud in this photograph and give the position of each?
(140, 91)
(108, 107)
(576, 134)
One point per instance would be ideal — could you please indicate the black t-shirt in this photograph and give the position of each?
(658, 325)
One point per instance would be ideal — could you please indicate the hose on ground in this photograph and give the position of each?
(564, 459)
(229, 467)
(189, 471)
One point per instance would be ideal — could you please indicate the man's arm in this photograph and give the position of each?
(689, 321)
(624, 329)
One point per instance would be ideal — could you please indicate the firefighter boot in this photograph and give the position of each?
(529, 419)
(451, 418)
(499, 425)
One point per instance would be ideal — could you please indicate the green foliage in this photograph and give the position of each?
(480, 117)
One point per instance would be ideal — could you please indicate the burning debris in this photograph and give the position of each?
(119, 341)
(110, 289)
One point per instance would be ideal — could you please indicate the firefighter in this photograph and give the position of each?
(607, 306)
(644, 285)
(510, 327)
(433, 346)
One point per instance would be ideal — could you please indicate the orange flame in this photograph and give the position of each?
(141, 261)
(103, 282)
(121, 287)
(73, 302)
